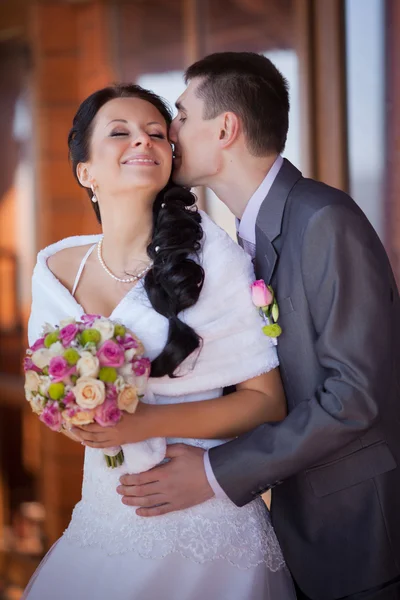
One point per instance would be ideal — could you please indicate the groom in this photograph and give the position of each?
(333, 462)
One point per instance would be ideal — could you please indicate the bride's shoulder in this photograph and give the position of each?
(62, 258)
(218, 248)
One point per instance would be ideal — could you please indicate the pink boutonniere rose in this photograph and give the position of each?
(264, 299)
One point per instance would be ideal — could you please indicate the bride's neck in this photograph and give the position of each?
(126, 236)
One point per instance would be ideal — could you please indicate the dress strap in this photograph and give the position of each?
(81, 267)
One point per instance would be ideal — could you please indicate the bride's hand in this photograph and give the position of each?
(131, 428)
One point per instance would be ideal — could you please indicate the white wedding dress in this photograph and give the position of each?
(215, 550)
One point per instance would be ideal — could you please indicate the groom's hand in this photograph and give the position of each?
(175, 485)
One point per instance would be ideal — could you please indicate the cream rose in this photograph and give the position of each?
(41, 358)
(105, 327)
(83, 417)
(89, 392)
(32, 381)
(88, 365)
(128, 399)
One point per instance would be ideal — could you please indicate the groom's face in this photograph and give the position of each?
(196, 140)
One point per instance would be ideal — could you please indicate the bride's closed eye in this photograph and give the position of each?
(118, 133)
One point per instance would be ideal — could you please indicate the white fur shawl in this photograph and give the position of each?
(234, 348)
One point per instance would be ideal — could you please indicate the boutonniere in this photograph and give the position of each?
(264, 299)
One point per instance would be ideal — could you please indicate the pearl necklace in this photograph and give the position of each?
(131, 279)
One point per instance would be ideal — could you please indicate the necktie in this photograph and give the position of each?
(247, 246)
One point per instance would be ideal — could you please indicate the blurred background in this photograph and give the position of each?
(342, 60)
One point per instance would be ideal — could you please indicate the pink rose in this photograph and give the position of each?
(111, 392)
(141, 366)
(38, 344)
(107, 414)
(69, 400)
(88, 320)
(29, 365)
(51, 416)
(260, 294)
(59, 368)
(128, 342)
(68, 333)
(110, 354)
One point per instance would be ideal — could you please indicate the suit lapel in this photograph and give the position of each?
(269, 220)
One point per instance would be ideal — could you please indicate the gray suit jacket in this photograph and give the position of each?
(333, 462)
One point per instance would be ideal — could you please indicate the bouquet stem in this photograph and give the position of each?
(115, 461)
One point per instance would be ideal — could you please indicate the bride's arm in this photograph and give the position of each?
(256, 401)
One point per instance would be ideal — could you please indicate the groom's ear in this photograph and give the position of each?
(230, 129)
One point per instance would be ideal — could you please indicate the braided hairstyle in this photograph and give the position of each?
(176, 279)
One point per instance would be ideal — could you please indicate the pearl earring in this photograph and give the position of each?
(94, 197)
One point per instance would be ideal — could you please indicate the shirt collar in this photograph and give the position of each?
(246, 227)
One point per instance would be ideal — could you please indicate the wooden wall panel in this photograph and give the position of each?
(71, 59)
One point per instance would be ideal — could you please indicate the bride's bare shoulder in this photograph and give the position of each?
(64, 263)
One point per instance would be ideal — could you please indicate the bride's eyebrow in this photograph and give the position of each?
(117, 121)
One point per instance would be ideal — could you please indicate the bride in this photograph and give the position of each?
(166, 271)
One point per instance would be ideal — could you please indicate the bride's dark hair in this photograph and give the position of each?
(175, 281)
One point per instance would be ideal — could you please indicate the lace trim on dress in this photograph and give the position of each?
(216, 529)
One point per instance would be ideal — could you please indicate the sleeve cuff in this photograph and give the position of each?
(217, 489)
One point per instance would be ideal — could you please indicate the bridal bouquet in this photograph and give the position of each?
(86, 371)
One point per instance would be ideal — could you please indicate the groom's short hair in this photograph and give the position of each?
(249, 85)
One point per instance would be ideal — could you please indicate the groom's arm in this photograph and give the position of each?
(350, 292)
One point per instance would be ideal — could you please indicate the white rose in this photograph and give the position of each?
(141, 384)
(88, 365)
(129, 354)
(128, 399)
(41, 358)
(32, 381)
(56, 349)
(105, 327)
(67, 321)
(119, 383)
(44, 385)
(89, 392)
(37, 404)
(47, 328)
(125, 371)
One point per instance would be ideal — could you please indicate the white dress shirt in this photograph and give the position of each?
(246, 228)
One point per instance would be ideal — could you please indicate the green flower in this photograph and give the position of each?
(272, 330)
(71, 356)
(56, 391)
(108, 374)
(275, 311)
(119, 330)
(90, 336)
(50, 339)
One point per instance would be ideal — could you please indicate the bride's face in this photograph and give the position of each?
(129, 149)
